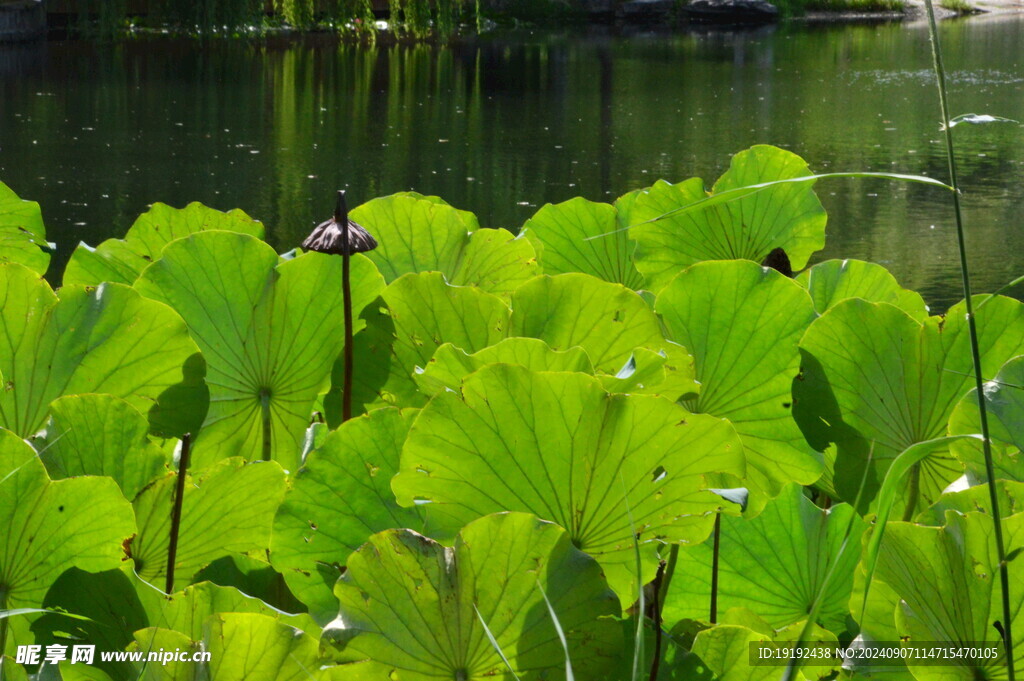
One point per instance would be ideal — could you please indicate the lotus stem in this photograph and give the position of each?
(341, 215)
(1004, 574)
(179, 498)
(656, 612)
(715, 543)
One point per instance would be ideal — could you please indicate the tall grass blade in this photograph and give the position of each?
(1004, 573)
(901, 465)
(742, 192)
(569, 676)
(999, 291)
(495, 644)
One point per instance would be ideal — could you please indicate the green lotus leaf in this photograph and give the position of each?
(470, 219)
(51, 526)
(214, 522)
(123, 260)
(833, 281)
(118, 603)
(450, 364)
(1004, 402)
(607, 320)
(787, 216)
(22, 234)
(424, 234)
(772, 565)
(583, 236)
(253, 575)
(270, 333)
(104, 339)
(416, 606)
(241, 646)
(1010, 494)
(79, 672)
(101, 435)
(340, 496)
(668, 371)
(153, 640)
(880, 381)
(607, 467)
(742, 323)
(726, 649)
(947, 580)
(253, 647)
(416, 314)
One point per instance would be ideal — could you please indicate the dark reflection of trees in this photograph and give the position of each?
(96, 133)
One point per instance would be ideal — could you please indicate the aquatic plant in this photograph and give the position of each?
(613, 446)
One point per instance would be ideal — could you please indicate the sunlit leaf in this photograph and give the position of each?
(122, 260)
(22, 234)
(742, 323)
(104, 339)
(561, 235)
(424, 234)
(228, 508)
(773, 565)
(1004, 402)
(882, 381)
(51, 526)
(947, 580)
(787, 216)
(408, 602)
(833, 281)
(269, 331)
(101, 435)
(340, 496)
(559, 446)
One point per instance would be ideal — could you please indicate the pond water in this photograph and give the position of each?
(502, 124)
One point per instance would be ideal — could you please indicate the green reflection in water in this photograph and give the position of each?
(503, 124)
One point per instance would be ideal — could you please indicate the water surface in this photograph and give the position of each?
(502, 124)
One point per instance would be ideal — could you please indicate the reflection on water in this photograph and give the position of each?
(503, 124)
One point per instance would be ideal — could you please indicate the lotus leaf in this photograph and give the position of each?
(213, 521)
(607, 467)
(104, 339)
(959, 601)
(582, 236)
(1004, 401)
(101, 435)
(787, 216)
(51, 526)
(123, 260)
(270, 333)
(416, 606)
(340, 497)
(772, 565)
(450, 364)
(416, 314)
(742, 323)
(881, 381)
(424, 234)
(833, 281)
(607, 320)
(22, 234)
(255, 647)
(118, 604)
(726, 649)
